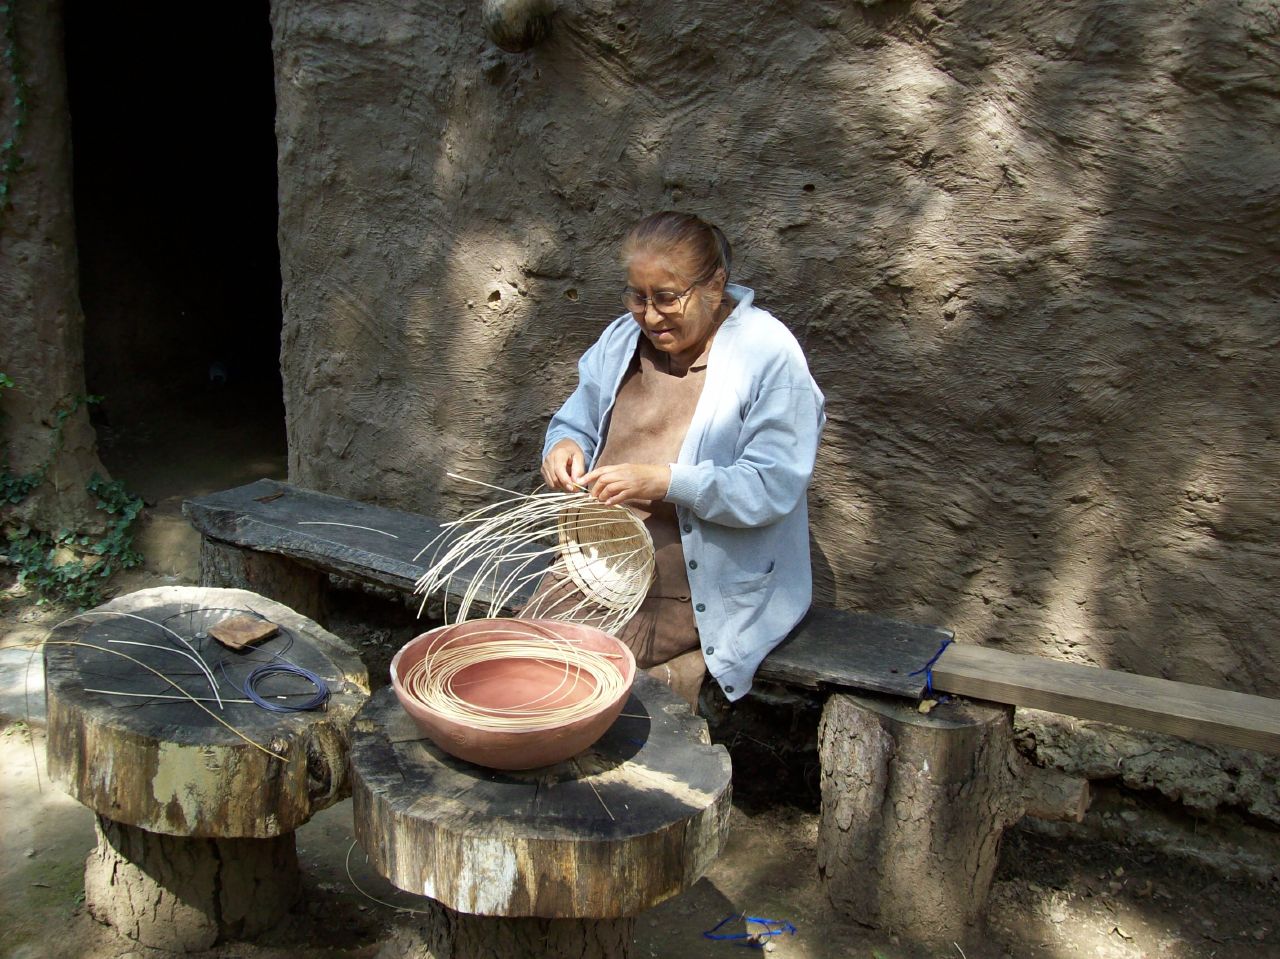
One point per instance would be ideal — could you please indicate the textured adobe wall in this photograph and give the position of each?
(1031, 250)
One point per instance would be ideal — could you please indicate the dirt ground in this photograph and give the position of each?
(1052, 898)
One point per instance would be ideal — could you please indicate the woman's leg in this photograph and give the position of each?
(684, 674)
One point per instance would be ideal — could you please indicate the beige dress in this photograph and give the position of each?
(650, 418)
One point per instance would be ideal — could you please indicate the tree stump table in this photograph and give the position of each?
(549, 863)
(196, 806)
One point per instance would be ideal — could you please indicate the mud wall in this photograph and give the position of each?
(1031, 250)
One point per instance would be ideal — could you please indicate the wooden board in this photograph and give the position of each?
(635, 819)
(166, 765)
(363, 542)
(843, 650)
(1160, 705)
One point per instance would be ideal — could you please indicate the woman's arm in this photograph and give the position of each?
(768, 477)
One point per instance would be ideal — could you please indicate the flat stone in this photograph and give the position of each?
(22, 685)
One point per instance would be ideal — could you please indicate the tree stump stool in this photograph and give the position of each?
(913, 809)
(553, 862)
(195, 822)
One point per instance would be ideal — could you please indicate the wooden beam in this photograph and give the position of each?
(1160, 705)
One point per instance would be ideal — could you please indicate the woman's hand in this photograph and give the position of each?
(562, 469)
(623, 482)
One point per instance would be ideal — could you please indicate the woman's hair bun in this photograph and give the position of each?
(726, 253)
(705, 244)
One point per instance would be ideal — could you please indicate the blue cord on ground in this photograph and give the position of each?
(750, 939)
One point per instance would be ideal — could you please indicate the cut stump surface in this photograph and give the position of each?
(168, 766)
(635, 819)
(196, 806)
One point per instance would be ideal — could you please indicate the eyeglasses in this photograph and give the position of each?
(664, 301)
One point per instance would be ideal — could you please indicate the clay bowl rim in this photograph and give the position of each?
(628, 675)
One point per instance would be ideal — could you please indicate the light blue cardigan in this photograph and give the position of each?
(739, 484)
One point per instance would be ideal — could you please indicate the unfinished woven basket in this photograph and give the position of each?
(606, 551)
(561, 556)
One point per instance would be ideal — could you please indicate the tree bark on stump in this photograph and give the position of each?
(287, 582)
(446, 934)
(633, 820)
(913, 810)
(185, 895)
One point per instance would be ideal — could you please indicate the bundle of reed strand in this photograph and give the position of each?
(437, 681)
(599, 558)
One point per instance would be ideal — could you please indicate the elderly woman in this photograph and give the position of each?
(696, 408)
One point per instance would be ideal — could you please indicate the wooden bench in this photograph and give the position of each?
(284, 541)
(951, 777)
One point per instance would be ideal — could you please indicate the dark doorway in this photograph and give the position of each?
(172, 117)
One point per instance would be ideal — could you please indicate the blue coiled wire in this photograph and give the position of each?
(318, 701)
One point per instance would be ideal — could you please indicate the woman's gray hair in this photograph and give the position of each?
(667, 231)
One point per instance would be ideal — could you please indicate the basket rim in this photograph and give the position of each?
(576, 564)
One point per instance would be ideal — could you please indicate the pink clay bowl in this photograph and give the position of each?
(505, 683)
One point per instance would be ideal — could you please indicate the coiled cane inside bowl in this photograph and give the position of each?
(513, 693)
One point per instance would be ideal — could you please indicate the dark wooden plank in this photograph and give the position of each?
(828, 649)
(279, 518)
(364, 542)
(845, 650)
(1145, 702)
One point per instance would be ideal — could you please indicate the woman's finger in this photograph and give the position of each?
(613, 484)
(562, 465)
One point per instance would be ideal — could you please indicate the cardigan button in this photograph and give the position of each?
(693, 564)
(701, 607)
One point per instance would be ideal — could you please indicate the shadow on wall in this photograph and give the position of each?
(1030, 251)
